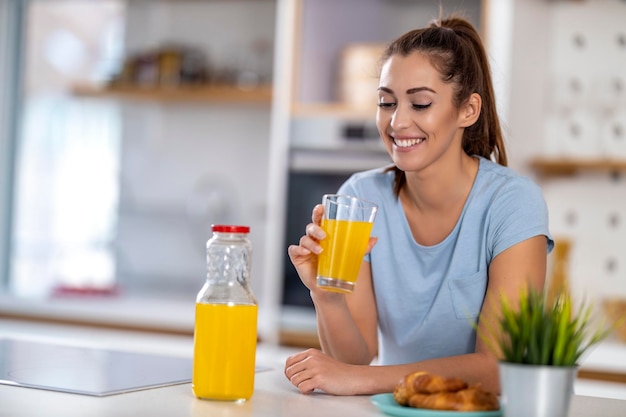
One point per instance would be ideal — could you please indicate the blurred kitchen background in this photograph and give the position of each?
(128, 127)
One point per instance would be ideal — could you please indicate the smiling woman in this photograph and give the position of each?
(451, 237)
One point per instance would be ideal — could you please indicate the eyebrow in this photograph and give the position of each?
(409, 91)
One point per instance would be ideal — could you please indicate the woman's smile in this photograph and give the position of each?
(407, 143)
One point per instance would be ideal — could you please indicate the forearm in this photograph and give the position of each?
(339, 335)
(473, 368)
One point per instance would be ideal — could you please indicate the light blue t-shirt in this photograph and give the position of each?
(427, 297)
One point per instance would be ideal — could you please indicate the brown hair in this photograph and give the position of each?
(455, 49)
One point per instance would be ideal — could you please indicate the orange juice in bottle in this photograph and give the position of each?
(224, 351)
(225, 332)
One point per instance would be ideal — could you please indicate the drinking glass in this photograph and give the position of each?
(348, 222)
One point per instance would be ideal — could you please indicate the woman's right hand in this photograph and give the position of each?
(304, 256)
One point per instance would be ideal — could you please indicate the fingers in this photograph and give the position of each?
(297, 372)
(296, 251)
(314, 232)
(304, 255)
(298, 357)
(318, 213)
(294, 370)
(313, 229)
(310, 241)
(304, 249)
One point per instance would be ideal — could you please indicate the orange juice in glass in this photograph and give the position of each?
(348, 222)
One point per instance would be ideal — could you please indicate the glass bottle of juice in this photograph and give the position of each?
(225, 333)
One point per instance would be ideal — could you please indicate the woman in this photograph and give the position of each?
(455, 231)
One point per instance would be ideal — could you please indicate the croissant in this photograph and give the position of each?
(424, 390)
(425, 383)
(469, 399)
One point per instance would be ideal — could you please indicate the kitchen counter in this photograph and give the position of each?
(274, 395)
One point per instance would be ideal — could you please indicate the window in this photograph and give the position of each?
(67, 155)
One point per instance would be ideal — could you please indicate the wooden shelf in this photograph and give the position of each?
(337, 109)
(569, 166)
(207, 94)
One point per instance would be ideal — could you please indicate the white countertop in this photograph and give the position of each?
(274, 395)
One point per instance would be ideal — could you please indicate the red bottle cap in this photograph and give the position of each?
(225, 228)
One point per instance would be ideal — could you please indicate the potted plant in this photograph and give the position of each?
(540, 341)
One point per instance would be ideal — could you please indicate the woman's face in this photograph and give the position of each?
(416, 117)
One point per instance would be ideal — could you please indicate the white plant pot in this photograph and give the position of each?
(536, 390)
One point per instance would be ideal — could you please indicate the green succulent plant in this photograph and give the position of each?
(544, 331)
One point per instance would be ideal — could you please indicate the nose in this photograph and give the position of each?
(401, 118)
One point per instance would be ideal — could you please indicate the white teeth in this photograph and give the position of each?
(405, 143)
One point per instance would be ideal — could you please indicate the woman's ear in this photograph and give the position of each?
(470, 111)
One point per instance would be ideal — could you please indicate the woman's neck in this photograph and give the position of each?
(442, 188)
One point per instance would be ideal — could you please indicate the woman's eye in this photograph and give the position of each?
(384, 105)
(421, 106)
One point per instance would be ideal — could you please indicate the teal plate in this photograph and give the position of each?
(388, 405)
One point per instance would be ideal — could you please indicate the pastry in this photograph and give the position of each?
(424, 390)
(425, 383)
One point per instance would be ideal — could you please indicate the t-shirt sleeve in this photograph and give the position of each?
(348, 187)
(518, 212)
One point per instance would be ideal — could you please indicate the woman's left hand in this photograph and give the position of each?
(312, 369)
